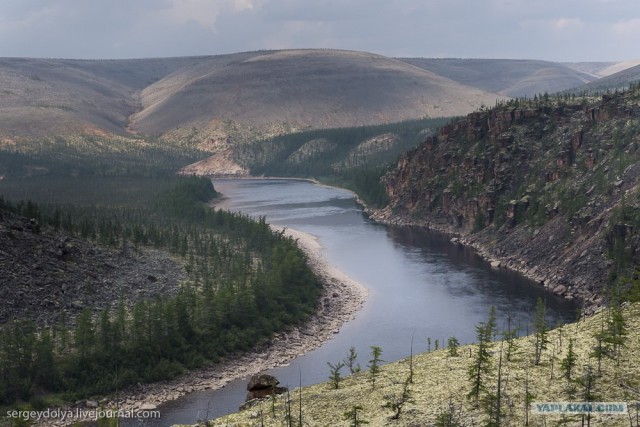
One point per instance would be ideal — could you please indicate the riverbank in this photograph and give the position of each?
(526, 251)
(439, 392)
(341, 299)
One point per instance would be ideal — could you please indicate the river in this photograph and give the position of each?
(419, 283)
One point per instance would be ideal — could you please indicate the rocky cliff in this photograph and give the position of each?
(548, 187)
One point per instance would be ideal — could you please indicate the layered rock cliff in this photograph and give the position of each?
(548, 187)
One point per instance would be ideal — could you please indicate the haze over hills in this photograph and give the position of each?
(602, 69)
(240, 97)
(618, 80)
(509, 77)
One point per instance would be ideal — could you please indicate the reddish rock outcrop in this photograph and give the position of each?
(529, 184)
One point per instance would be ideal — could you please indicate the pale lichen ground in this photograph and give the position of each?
(441, 380)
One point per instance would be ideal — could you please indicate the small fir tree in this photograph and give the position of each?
(540, 330)
(569, 361)
(374, 365)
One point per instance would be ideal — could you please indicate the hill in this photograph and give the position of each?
(59, 96)
(508, 77)
(209, 98)
(210, 102)
(617, 81)
(73, 273)
(301, 89)
(601, 69)
(548, 187)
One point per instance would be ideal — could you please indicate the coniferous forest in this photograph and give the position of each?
(244, 282)
(354, 158)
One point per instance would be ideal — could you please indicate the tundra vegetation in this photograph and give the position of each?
(443, 393)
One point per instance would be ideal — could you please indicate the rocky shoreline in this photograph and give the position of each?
(550, 276)
(342, 298)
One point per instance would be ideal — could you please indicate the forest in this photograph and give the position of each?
(244, 281)
(354, 158)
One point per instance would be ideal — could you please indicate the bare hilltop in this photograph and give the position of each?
(242, 95)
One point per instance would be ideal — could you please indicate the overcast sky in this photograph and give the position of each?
(558, 30)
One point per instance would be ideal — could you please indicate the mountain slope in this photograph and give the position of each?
(301, 88)
(509, 77)
(240, 95)
(48, 96)
(601, 69)
(620, 80)
(550, 188)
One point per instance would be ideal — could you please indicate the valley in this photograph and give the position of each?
(123, 272)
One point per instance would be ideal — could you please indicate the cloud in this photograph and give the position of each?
(202, 12)
(627, 27)
(548, 29)
(565, 24)
(554, 25)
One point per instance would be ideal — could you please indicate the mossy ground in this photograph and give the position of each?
(441, 384)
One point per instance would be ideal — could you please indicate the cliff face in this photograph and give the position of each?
(547, 187)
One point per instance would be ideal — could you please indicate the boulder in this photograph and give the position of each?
(263, 385)
(263, 381)
(559, 290)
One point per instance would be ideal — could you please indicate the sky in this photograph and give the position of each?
(556, 30)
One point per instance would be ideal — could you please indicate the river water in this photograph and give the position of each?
(419, 284)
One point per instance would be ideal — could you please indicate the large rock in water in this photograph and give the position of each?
(262, 386)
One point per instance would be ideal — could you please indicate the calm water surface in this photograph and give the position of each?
(419, 283)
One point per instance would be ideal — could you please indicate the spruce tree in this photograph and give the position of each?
(396, 403)
(482, 364)
(540, 330)
(453, 345)
(354, 418)
(569, 361)
(374, 365)
(84, 336)
(350, 362)
(334, 374)
(510, 336)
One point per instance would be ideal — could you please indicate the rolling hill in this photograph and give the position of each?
(303, 89)
(51, 96)
(212, 101)
(509, 77)
(618, 80)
